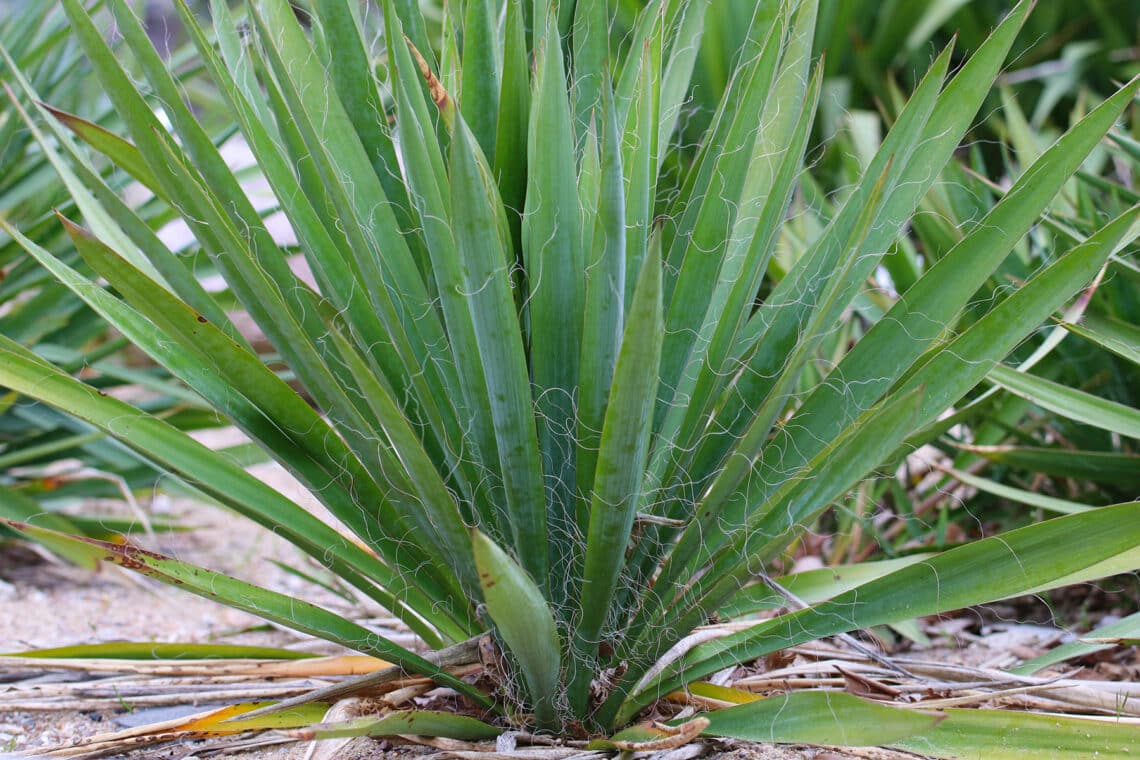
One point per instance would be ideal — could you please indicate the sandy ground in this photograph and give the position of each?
(47, 604)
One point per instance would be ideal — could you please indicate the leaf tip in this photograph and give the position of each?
(435, 87)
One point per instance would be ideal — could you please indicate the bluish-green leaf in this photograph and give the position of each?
(525, 623)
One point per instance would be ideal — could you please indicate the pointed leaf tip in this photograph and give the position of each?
(438, 94)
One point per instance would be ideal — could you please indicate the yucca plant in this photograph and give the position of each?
(548, 404)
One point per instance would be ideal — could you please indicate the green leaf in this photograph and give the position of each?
(590, 40)
(514, 115)
(481, 80)
(14, 505)
(524, 622)
(728, 187)
(555, 260)
(684, 25)
(414, 722)
(351, 72)
(604, 315)
(163, 650)
(1008, 735)
(920, 316)
(639, 155)
(1118, 337)
(811, 586)
(694, 548)
(381, 327)
(279, 608)
(482, 245)
(1096, 466)
(111, 217)
(819, 717)
(1069, 402)
(1018, 495)
(617, 488)
(125, 155)
(721, 574)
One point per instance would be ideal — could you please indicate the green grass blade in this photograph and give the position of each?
(524, 622)
(82, 197)
(828, 476)
(265, 406)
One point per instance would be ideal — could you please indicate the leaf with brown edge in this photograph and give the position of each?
(270, 605)
(435, 87)
(122, 152)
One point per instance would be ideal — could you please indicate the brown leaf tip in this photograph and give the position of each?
(435, 87)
